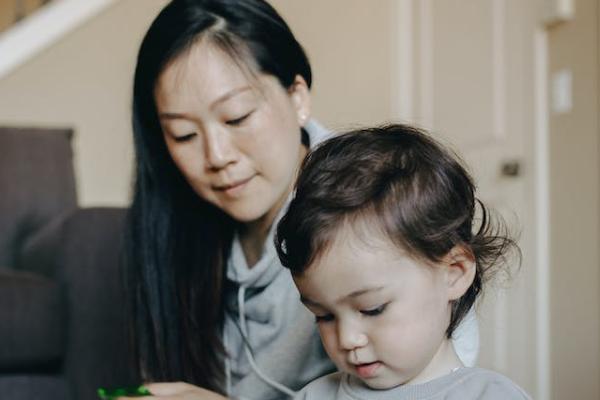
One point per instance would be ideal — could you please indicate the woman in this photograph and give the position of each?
(220, 96)
(221, 123)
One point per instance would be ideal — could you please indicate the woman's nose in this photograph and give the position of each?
(350, 336)
(219, 151)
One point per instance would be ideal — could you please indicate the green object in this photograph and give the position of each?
(112, 394)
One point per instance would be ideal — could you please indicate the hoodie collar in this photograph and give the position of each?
(268, 266)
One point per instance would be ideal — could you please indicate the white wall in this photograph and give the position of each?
(575, 209)
(84, 81)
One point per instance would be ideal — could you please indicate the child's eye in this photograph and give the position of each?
(323, 318)
(185, 138)
(374, 311)
(238, 121)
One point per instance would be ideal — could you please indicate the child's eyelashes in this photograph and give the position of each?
(374, 311)
(323, 318)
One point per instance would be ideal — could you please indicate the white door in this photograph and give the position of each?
(464, 68)
(466, 71)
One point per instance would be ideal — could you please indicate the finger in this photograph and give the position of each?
(169, 388)
(137, 398)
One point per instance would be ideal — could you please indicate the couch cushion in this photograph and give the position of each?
(33, 387)
(36, 181)
(32, 332)
(83, 252)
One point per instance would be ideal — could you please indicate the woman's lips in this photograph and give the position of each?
(367, 370)
(234, 189)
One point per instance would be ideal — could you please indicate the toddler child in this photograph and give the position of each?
(381, 244)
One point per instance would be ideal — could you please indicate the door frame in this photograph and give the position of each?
(537, 149)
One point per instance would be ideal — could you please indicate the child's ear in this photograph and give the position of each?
(460, 271)
(300, 96)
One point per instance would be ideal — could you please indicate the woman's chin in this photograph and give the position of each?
(248, 214)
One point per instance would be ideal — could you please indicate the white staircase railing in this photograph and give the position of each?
(41, 29)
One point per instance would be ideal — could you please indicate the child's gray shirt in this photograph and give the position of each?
(462, 384)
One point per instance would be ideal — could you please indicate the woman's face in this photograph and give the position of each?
(233, 134)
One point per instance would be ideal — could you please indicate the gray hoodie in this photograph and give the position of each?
(282, 346)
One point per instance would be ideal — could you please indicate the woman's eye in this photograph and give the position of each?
(185, 138)
(374, 311)
(323, 318)
(238, 121)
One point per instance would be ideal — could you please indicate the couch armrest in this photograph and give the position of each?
(33, 315)
(83, 252)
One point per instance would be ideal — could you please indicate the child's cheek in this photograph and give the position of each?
(329, 339)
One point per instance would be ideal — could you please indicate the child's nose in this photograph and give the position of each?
(350, 336)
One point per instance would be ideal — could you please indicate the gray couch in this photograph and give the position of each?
(62, 306)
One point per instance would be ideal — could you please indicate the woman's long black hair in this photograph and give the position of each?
(177, 244)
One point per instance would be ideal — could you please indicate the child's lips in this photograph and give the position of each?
(367, 370)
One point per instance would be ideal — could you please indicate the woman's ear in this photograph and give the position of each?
(300, 96)
(460, 271)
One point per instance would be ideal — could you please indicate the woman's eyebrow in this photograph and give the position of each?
(228, 95)
(222, 99)
(171, 115)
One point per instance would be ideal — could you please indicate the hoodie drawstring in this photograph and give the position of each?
(255, 368)
(227, 365)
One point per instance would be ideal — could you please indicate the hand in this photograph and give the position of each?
(177, 391)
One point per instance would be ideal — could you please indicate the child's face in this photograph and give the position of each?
(382, 315)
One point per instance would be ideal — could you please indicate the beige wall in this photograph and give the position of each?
(351, 49)
(575, 219)
(84, 81)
